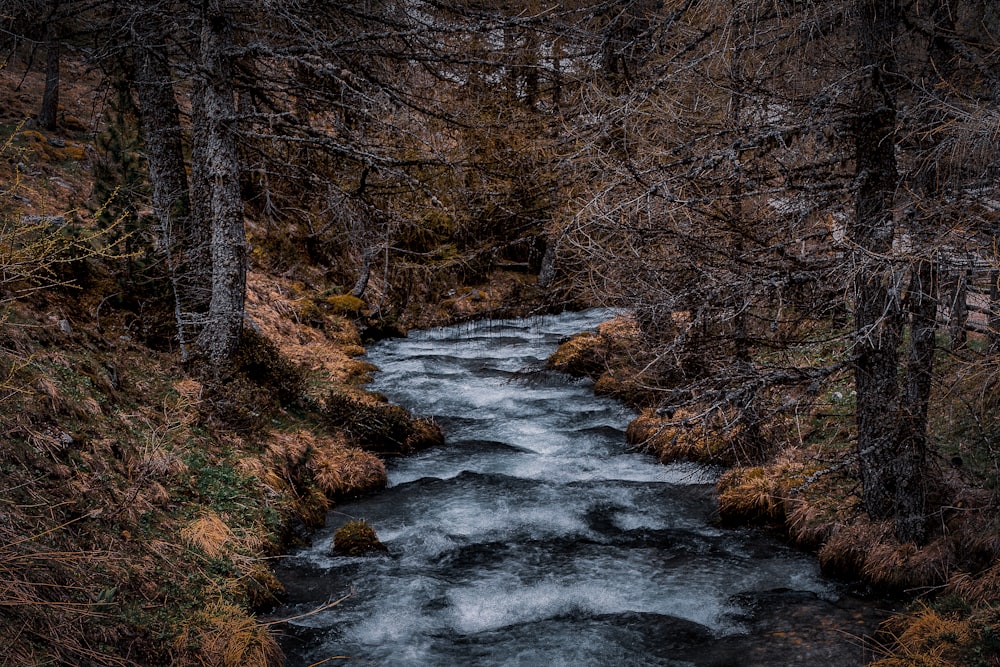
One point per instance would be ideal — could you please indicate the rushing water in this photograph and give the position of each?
(534, 537)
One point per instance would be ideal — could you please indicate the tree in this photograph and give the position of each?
(877, 285)
(723, 168)
(215, 142)
(182, 238)
(47, 116)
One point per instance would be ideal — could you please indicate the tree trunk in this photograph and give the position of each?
(182, 242)
(911, 510)
(993, 320)
(548, 271)
(876, 285)
(922, 308)
(216, 140)
(201, 189)
(366, 272)
(48, 116)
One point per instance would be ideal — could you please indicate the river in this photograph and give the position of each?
(535, 537)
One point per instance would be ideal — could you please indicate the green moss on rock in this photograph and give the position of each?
(357, 538)
(345, 304)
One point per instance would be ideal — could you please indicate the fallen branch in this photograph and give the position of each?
(317, 610)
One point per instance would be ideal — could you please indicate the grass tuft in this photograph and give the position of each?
(751, 495)
(208, 533)
(926, 638)
(223, 635)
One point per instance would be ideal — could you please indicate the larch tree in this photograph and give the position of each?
(48, 115)
(749, 169)
(214, 137)
(182, 238)
(890, 471)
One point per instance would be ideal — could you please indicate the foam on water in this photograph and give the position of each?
(534, 513)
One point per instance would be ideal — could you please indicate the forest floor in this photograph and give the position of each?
(142, 501)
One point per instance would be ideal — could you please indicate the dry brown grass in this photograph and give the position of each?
(258, 581)
(843, 554)
(751, 495)
(426, 433)
(311, 506)
(580, 355)
(190, 391)
(869, 550)
(892, 566)
(47, 609)
(290, 449)
(621, 332)
(807, 522)
(926, 638)
(978, 589)
(336, 468)
(603, 356)
(341, 471)
(274, 478)
(209, 533)
(223, 635)
(327, 353)
(688, 436)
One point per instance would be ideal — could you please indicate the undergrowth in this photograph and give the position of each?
(141, 503)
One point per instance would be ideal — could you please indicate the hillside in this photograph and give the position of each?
(142, 500)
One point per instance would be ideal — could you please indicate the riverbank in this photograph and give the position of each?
(143, 502)
(798, 474)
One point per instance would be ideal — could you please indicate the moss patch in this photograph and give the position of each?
(357, 538)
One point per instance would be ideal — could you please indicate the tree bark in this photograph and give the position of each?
(367, 256)
(216, 141)
(201, 189)
(877, 321)
(182, 240)
(993, 320)
(547, 273)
